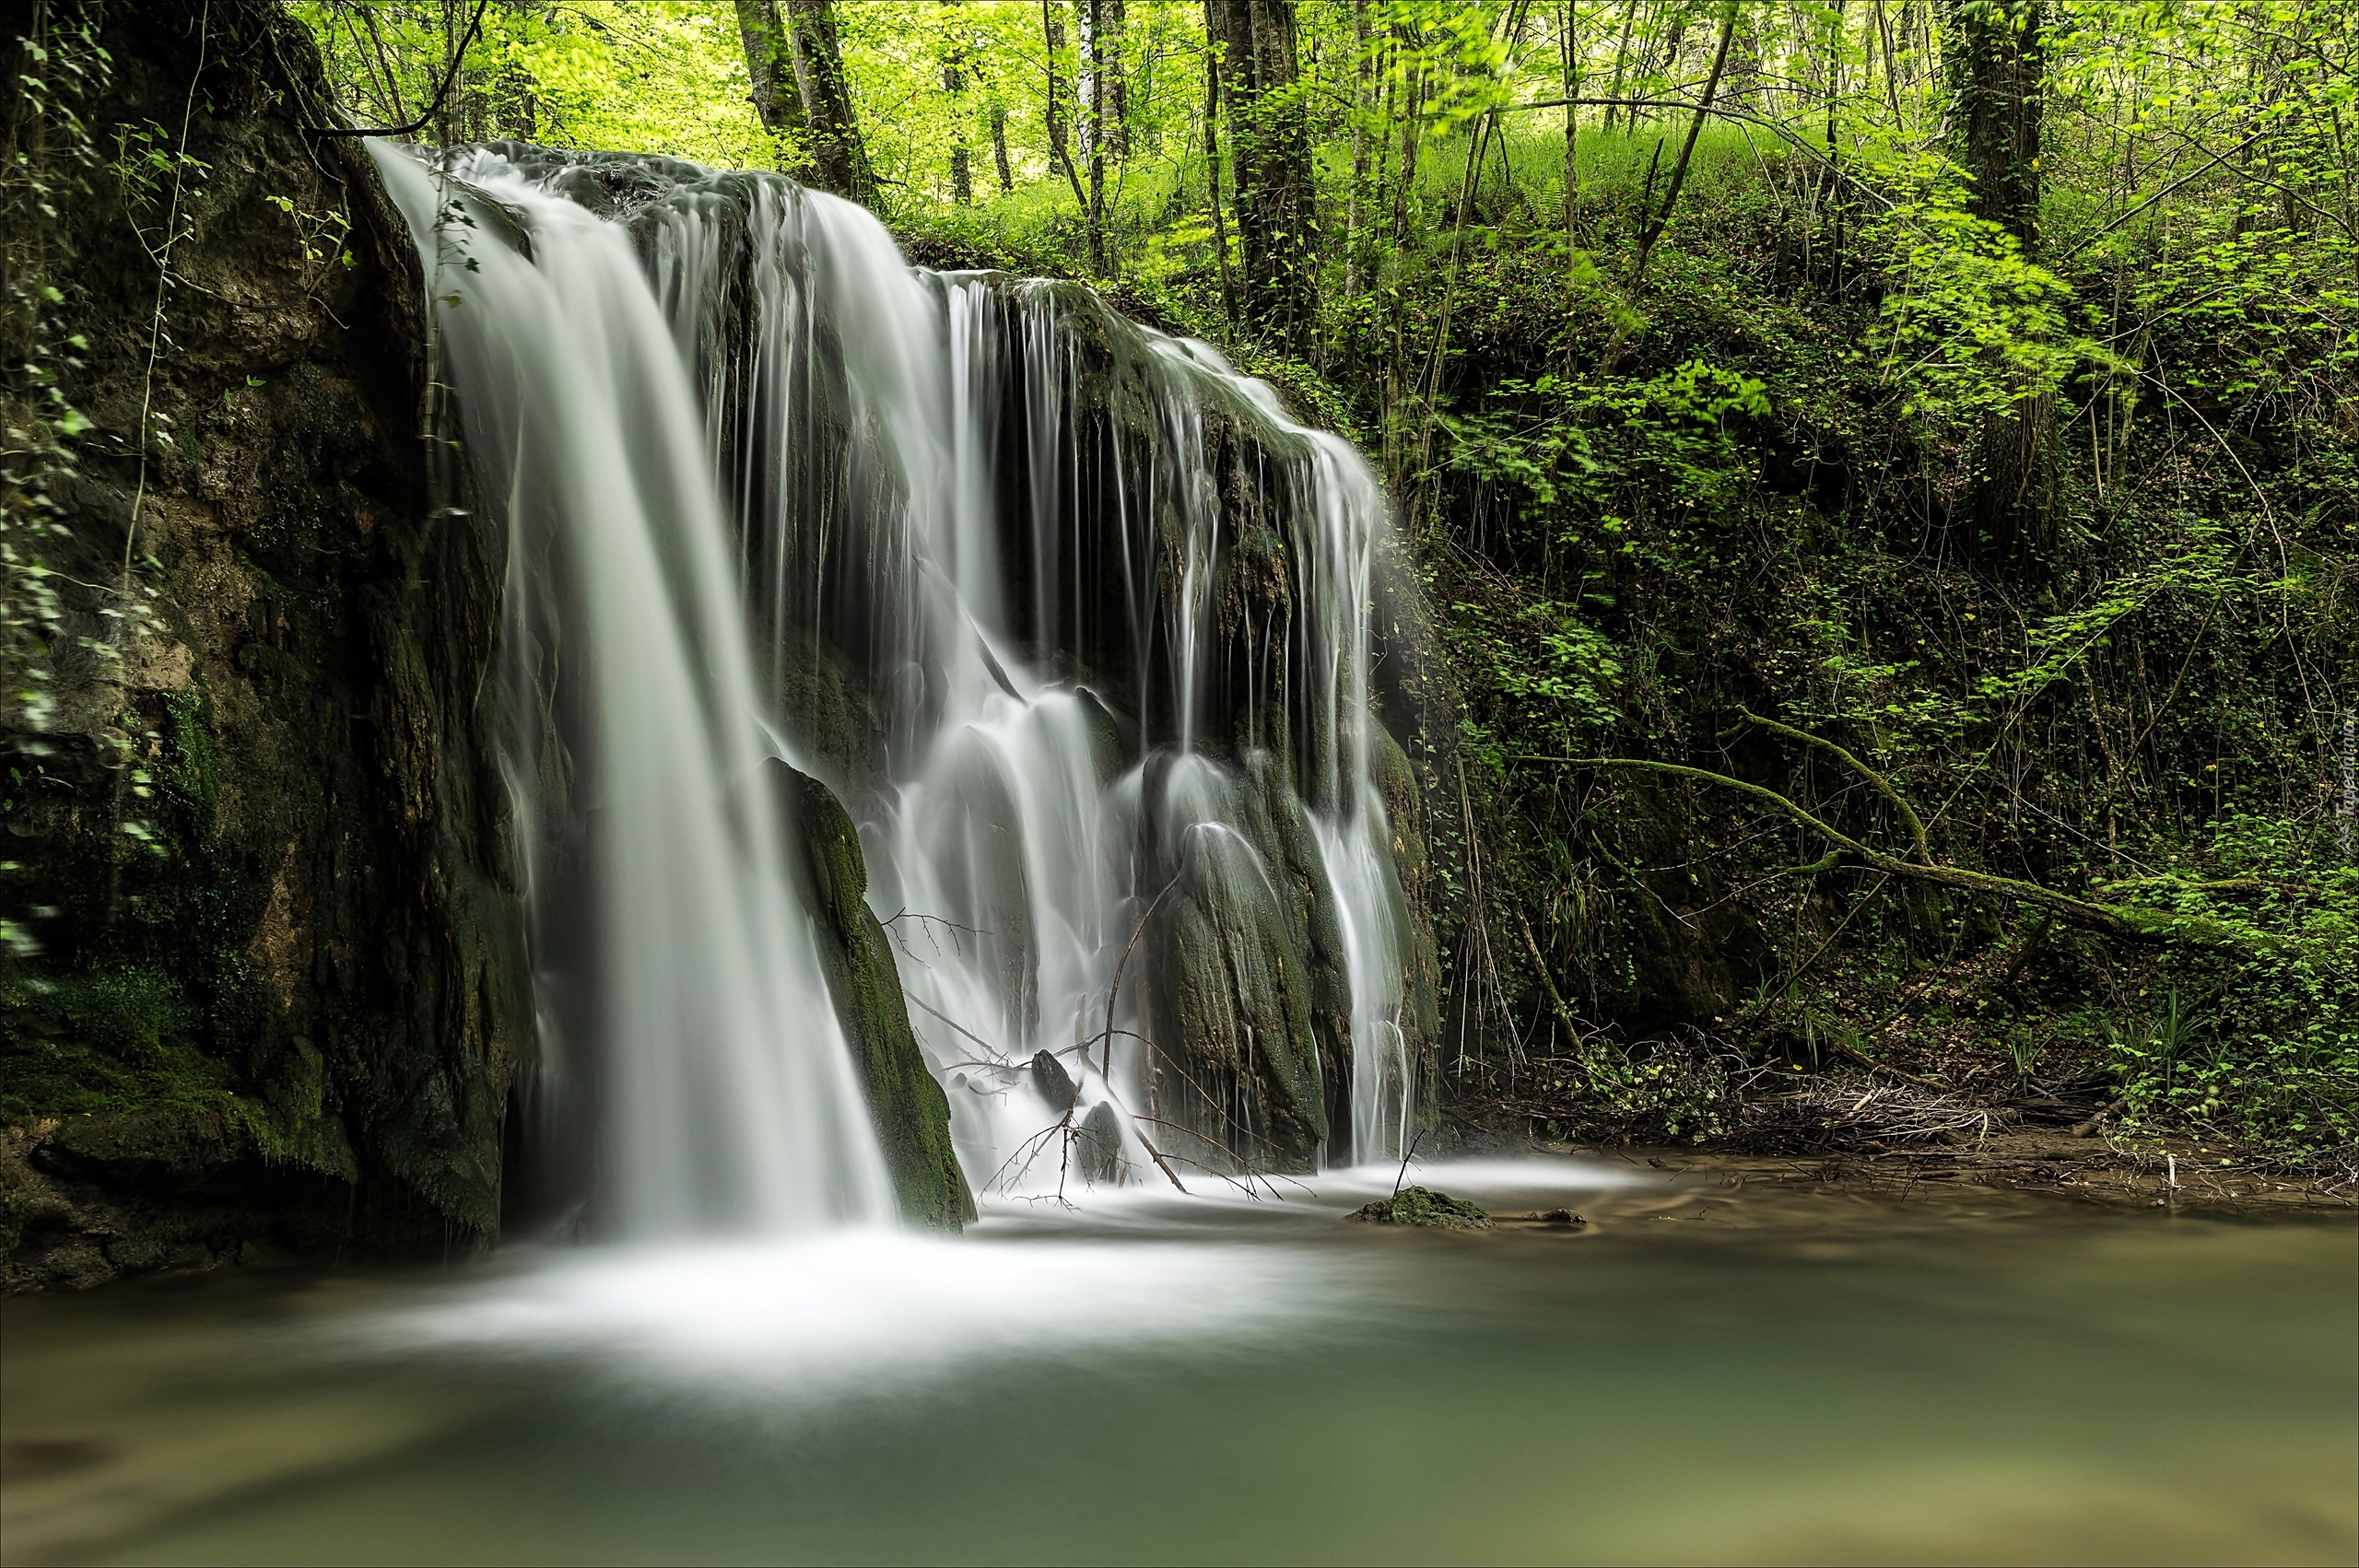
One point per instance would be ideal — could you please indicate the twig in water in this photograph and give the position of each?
(1410, 1154)
(1115, 989)
(956, 1025)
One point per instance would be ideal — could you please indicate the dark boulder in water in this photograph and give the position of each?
(1423, 1207)
(1056, 1085)
(1100, 1144)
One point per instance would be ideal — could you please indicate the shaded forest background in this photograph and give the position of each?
(1887, 473)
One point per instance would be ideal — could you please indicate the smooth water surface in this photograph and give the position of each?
(1704, 1373)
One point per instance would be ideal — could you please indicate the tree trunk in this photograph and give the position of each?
(1212, 183)
(1092, 83)
(1360, 91)
(446, 121)
(999, 151)
(769, 66)
(1052, 36)
(839, 157)
(1835, 37)
(516, 113)
(1996, 65)
(1621, 63)
(1113, 80)
(1571, 45)
(1084, 74)
(1270, 157)
(1656, 224)
(1996, 68)
(954, 85)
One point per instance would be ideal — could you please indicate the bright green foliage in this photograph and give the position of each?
(655, 76)
(2274, 1055)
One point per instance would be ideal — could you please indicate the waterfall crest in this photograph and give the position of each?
(1070, 617)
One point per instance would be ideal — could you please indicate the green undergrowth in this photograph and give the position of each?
(120, 1042)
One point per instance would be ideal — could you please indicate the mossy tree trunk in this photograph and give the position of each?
(1997, 67)
(1270, 155)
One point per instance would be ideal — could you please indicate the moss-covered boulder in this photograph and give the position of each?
(1425, 1208)
(911, 1113)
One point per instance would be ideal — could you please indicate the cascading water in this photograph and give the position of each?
(671, 963)
(1071, 618)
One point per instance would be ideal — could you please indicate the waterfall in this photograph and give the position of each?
(1067, 613)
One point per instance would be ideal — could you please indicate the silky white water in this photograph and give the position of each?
(733, 1100)
(727, 425)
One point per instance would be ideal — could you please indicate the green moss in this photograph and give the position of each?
(132, 1014)
(1425, 1208)
(114, 1043)
(825, 717)
(66, 1077)
(911, 1113)
(192, 768)
(101, 1042)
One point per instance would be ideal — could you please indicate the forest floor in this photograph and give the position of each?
(2173, 1173)
(1857, 1132)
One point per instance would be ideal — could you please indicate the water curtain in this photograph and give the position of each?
(1066, 613)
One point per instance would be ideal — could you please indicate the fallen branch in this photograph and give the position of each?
(1115, 990)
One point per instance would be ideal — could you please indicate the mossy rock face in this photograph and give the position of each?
(1226, 988)
(259, 880)
(1425, 1208)
(912, 1115)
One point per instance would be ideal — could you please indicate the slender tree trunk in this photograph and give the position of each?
(400, 115)
(953, 86)
(446, 120)
(999, 151)
(1891, 68)
(1743, 79)
(1404, 201)
(839, 157)
(1114, 79)
(1572, 52)
(1621, 63)
(1360, 86)
(962, 160)
(1835, 40)
(1655, 224)
(1092, 83)
(516, 112)
(1053, 36)
(1212, 178)
(1404, 194)
(1084, 78)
